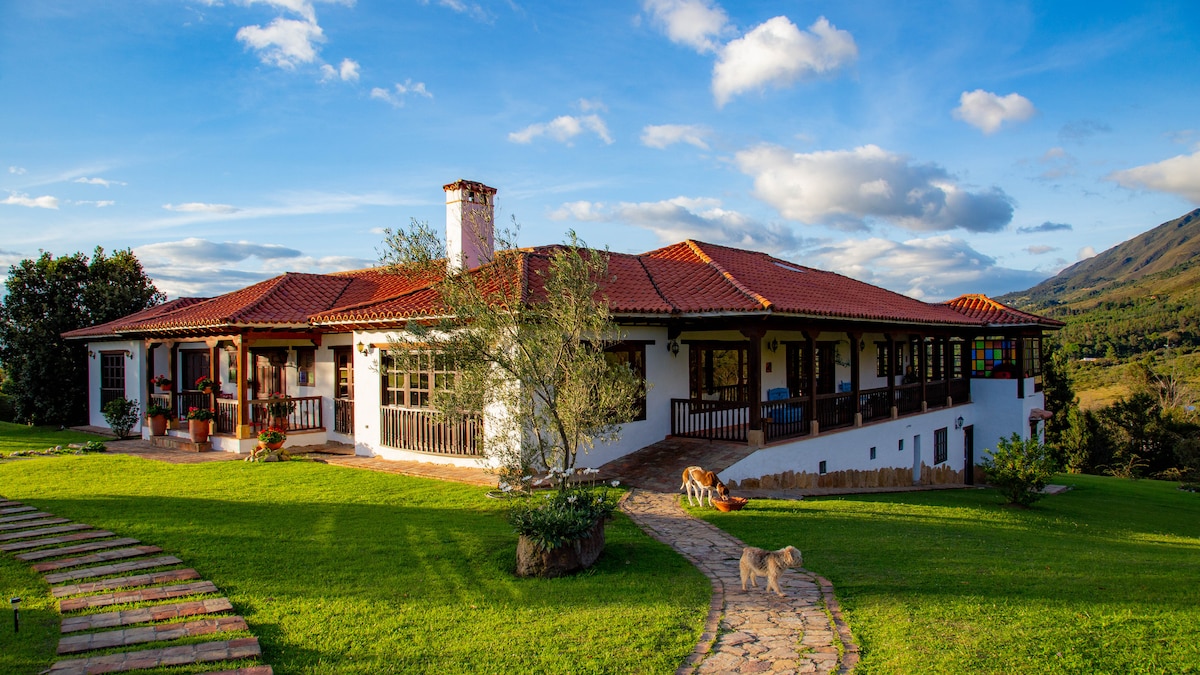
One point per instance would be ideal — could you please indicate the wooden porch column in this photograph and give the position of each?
(149, 389)
(924, 364)
(810, 386)
(947, 366)
(855, 367)
(212, 370)
(755, 436)
(892, 369)
(1020, 366)
(173, 373)
(243, 408)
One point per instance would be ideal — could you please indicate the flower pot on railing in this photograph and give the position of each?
(199, 430)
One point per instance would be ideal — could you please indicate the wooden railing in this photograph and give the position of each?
(428, 431)
(835, 411)
(960, 390)
(302, 413)
(343, 416)
(935, 394)
(185, 400)
(908, 398)
(875, 404)
(227, 416)
(713, 420)
(785, 418)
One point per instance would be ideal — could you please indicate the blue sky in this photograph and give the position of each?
(931, 148)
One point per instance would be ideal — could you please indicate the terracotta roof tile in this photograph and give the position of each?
(988, 311)
(114, 327)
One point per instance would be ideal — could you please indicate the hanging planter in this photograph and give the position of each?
(161, 381)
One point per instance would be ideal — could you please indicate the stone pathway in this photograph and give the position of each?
(750, 631)
(63, 551)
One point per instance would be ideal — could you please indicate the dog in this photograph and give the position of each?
(703, 482)
(756, 563)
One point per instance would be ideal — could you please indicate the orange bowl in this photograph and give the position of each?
(730, 503)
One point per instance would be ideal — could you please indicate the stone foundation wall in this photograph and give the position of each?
(888, 477)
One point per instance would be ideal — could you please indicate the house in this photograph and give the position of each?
(817, 372)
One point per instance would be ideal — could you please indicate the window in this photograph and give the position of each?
(957, 350)
(343, 373)
(941, 445)
(882, 360)
(994, 356)
(411, 381)
(112, 377)
(633, 355)
(796, 365)
(306, 362)
(1033, 361)
(934, 359)
(872, 452)
(717, 371)
(900, 445)
(821, 468)
(195, 366)
(826, 366)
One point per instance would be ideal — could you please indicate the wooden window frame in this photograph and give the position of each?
(638, 365)
(414, 389)
(107, 391)
(700, 370)
(306, 375)
(941, 445)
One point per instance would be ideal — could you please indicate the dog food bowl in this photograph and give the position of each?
(730, 504)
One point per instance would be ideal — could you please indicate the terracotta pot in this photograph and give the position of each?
(275, 446)
(199, 430)
(158, 425)
(730, 504)
(571, 557)
(206, 390)
(165, 387)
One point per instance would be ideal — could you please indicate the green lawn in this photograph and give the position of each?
(1102, 579)
(345, 571)
(21, 437)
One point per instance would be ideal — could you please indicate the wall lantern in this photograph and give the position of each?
(773, 345)
(129, 355)
(365, 349)
(673, 347)
(862, 345)
(16, 605)
(91, 354)
(958, 423)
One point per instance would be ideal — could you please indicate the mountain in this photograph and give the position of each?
(1161, 260)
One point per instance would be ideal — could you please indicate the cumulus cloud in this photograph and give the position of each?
(346, 72)
(1040, 249)
(931, 269)
(1086, 252)
(680, 218)
(1178, 175)
(400, 92)
(283, 42)
(846, 188)
(20, 171)
(1046, 227)
(99, 181)
(662, 135)
(777, 53)
(563, 129)
(200, 207)
(43, 202)
(698, 24)
(987, 111)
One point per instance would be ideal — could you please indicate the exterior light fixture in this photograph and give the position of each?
(958, 423)
(364, 348)
(673, 347)
(862, 345)
(91, 354)
(16, 605)
(129, 355)
(773, 345)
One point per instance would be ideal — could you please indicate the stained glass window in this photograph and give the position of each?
(989, 353)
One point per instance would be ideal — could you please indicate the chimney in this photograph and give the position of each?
(470, 213)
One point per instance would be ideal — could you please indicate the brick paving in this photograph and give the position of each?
(749, 631)
(125, 582)
(457, 474)
(52, 541)
(143, 595)
(660, 466)
(78, 548)
(193, 616)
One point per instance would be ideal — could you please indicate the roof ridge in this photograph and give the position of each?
(246, 309)
(654, 284)
(766, 304)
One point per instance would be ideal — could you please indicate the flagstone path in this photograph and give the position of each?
(111, 642)
(750, 631)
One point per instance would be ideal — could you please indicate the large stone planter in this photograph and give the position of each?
(572, 557)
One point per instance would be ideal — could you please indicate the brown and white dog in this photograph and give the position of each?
(756, 563)
(703, 482)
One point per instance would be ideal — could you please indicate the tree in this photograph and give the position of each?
(1020, 469)
(1060, 397)
(47, 375)
(526, 333)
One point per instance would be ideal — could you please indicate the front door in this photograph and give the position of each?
(969, 460)
(916, 460)
(269, 372)
(343, 390)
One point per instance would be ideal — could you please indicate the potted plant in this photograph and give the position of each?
(161, 381)
(199, 423)
(272, 438)
(562, 531)
(158, 414)
(279, 406)
(205, 384)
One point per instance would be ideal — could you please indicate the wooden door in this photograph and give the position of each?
(269, 372)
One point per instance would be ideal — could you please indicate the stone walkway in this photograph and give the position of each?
(750, 631)
(116, 639)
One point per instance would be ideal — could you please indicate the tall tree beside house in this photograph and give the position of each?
(47, 296)
(526, 333)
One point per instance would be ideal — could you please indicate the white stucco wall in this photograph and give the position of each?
(135, 378)
(1005, 412)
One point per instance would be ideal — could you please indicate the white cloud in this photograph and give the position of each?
(20, 171)
(99, 181)
(1046, 226)
(402, 92)
(846, 188)
(1086, 252)
(1178, 175)
(932, 269)
(284, 42)
(346, 72)
(1040, 249)
(695, 23)
(681, 218)
(662, 135)
(98, 204)
(563, 129)
(987, 111)
(200, 207)
(43, 202)
(778, 53)
(196, 251)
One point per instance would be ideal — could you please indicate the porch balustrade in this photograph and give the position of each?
(343, 416)
(960, 390)
(185, 400)
(712, 420)
(935, 394)
(908, 398)
(427, 431)
(305, 413)
(876, 404)
(227, 416)
(785, 418)
(835, 411)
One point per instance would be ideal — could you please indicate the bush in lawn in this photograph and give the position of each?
(122, 414)
(1020, 469)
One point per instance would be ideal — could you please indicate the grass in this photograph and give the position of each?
(15, 437)
(1101, 579)
(340, 570)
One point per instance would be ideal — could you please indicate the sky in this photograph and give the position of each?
(932, 148)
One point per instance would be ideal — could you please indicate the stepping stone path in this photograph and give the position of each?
(63, 551)
(750, 631)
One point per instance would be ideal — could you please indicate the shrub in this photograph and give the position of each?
(1020, 469)
(122, 414)
(564, 515)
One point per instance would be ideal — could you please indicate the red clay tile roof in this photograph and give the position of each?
(112, 327)
(986, 310)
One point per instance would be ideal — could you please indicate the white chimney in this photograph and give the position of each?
(470, 213)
